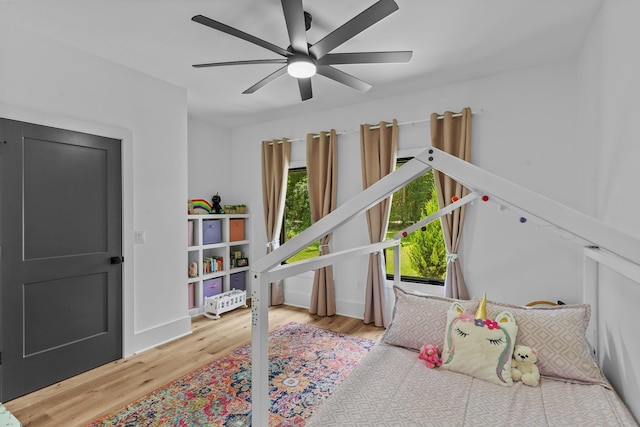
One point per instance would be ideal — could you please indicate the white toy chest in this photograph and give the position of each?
(226, 301)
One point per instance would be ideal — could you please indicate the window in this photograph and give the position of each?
(297, 213)
(423, 253)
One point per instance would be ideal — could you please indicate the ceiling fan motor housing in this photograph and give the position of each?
(307, 20)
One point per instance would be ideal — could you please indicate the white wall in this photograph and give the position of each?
(526, 133)
(609, 67)
(209, 166)
(46, 82)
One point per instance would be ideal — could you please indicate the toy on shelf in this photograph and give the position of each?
(216, 305)
(193, 269)
(199, 207)
(215, 206)
(235, 209)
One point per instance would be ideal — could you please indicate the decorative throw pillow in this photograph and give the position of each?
(559, 336)
(420, 319)
(479, 346)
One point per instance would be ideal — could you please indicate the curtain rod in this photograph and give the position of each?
(315, 136)
(413, 122)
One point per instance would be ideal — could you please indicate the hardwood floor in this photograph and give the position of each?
(84, 398)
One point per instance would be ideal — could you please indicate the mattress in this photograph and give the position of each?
(392, 387)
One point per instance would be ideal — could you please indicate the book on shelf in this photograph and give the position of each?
(212, 264)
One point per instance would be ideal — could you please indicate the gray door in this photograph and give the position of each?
(60, 270)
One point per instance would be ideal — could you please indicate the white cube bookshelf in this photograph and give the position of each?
(205, 253)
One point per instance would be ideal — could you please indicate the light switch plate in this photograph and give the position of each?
(140, 236)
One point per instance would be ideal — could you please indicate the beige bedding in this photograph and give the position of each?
(392, 387)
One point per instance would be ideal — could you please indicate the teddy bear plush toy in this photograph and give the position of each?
(523, 366)
(429, 353)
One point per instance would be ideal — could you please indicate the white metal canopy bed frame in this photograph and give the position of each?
(617, 250)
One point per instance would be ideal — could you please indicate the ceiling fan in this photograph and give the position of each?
(303, 60)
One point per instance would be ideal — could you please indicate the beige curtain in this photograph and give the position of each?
(378, 154)
(275, 172)
(452, 134)
(322, 178)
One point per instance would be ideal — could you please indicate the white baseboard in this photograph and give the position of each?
(162, 334)
(343, 308)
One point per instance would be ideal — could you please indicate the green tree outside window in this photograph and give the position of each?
(297, 217)
(423, 254)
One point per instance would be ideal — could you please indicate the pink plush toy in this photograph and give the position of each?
(429, 353)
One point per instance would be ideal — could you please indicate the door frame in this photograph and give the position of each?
(126, 136)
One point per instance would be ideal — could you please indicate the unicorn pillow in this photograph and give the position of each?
(480, 347)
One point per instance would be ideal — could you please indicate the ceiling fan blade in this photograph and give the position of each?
(271, 77)
(305, 88)
(366, 58)
(294, 17)
(250, 62)
(361, 22)
(240, 34)
(344, 78)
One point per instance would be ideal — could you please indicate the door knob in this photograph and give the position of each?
(117, 260)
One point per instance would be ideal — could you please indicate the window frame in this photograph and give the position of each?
(283, 229)
(403, 278)
(412, 279)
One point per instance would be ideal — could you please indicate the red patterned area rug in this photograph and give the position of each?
(306, 364)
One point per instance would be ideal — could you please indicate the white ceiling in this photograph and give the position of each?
(451, 41)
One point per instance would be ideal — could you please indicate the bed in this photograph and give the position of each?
(392, 386)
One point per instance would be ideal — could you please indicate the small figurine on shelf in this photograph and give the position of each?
(193, 269)
(217, 209)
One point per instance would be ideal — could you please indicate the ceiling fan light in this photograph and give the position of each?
(301, 68)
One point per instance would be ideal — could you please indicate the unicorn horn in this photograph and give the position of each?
(481, 313)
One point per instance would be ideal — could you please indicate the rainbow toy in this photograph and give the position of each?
(199, 206)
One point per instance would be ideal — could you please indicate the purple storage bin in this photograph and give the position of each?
(211, 287)
(211, 231)
(238, 281)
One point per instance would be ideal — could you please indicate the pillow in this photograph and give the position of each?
(420, 319)
(482, 348)
(558, 336)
